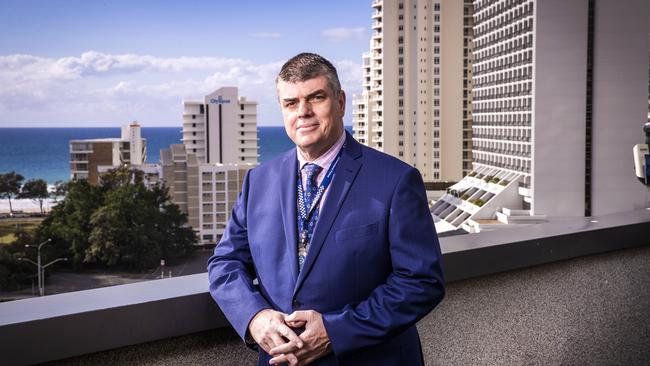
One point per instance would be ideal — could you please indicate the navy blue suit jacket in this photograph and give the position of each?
(374, 264)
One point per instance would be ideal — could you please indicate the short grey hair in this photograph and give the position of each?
(305, 66)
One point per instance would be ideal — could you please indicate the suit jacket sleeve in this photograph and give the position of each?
(413, 289)
(231, 272)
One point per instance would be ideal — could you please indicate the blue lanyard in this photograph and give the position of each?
(304, 214)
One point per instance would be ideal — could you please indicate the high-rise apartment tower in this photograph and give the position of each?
(222, 128)
(560, 95)
(416, 99)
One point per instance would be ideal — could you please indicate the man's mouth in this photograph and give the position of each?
(308, 126)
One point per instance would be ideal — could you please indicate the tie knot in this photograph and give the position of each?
(311, 172)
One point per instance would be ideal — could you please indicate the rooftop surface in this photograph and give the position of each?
(590, 310)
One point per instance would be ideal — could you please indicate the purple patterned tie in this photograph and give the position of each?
(310, 172)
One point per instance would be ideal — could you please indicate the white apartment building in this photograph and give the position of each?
(205, 173)
(416, 99)
(90, 157)
(560, 96)
(206, 192)
(222, 128)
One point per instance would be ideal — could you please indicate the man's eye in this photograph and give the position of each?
(289, 104)
(319, 97)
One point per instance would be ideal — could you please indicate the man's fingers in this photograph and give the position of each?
(297, 315)
(276, 340)
(290, 335)
(266, 345)
(289, 358)
(293, 360)
(278, 359)
(288, 347)
(296, 323)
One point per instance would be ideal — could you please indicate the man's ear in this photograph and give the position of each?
(341, 102)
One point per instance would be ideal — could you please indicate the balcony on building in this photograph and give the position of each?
(80, 147)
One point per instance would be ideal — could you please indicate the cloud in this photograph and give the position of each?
(94, 63)
(97, 88)
(266, 35)
(344, 34)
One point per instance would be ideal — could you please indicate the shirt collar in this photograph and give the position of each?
(325, 160)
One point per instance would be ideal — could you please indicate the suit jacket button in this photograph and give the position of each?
(297, 304)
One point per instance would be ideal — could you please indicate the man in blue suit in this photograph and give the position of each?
(330, 256)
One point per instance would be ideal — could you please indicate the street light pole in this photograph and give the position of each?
(40, 273)
(39, 267)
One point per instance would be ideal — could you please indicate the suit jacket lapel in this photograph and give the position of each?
(344, 176)
(288, 208)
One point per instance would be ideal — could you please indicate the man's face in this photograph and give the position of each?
(313, 115)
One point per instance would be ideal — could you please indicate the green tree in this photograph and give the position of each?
(10, 186)
(120, 223)
(36, 190)
(68, 224)
(137, 226)
(15, 274)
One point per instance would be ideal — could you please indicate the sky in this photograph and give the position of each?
(70, 63)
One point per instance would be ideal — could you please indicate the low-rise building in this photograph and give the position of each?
(90, 157)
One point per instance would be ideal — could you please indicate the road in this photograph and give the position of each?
(65, 281)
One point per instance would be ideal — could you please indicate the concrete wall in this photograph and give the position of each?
(620, 103)
(559, 95)
(451, 90)
(102, 155)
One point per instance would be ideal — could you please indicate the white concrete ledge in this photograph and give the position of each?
(71, 324)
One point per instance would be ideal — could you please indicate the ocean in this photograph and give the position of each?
(44, 152)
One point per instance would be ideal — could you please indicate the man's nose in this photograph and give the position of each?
(304, 109)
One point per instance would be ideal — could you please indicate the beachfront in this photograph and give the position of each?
(25, 205)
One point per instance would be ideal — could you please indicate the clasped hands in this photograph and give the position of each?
(274, 332)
